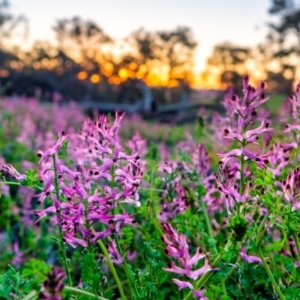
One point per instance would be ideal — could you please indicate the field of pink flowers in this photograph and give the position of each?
(113, 207)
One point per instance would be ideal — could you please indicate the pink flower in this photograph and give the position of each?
(249, 258)
(177, 247)
(73, 241)
(116, 257)
(188, 272)
(10, 172)
(52, 150)
(199, 295)
(182, 284)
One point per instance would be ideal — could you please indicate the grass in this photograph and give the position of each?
(276, 100)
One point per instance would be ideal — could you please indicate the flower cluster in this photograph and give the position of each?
(102, 179)
(291, 189)
(178, 248)
(233, 166)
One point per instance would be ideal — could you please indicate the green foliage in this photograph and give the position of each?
(14, 153)
(32, 179)
(10, 282)
(238, 224)
(184, 156)
(152, 279)
(266, 224)
(153, 152)
(127, 236)
(34, 273)
(176, 134)
(63, 153)
(91, 274)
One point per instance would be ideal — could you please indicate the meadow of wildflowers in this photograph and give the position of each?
(112, 207)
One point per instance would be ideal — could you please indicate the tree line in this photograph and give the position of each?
(85, 62)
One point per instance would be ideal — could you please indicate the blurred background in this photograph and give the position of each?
(152, 57)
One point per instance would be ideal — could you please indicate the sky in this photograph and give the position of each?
(212, 21)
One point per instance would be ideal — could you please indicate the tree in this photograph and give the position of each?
(8, 22)
(177, 48)
(81, 40)
(229, 62)
(284, 39)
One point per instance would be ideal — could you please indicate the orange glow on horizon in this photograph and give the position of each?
(123, 73)
(114, 80)
(82, 75)
(95, 78)
(133, 66)
(153, 77)
(107, 69)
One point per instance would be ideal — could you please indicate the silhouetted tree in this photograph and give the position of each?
(144, 51)
(8, 22)
(284, 40)
(82, 40)
(177, 48)
(229, 61)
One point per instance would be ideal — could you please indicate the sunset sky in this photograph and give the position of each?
(239, 21)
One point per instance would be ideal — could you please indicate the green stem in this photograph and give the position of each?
(152, 189)
(233, 269)
(224, 286)
(297, 248)
(18, 183)
(157, 226)
(259, 234)
(152, 214)
(81, 292)
(242, 179)
(61, 241)
(207, 275)
(112, 287)
(34, 294)
(207, 220)
(262, 228)
(297, 155)
(11, 182)
(127, 271)
(265, 265)
(112, 269)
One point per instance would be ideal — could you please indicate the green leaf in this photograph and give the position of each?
(32, 178)
(10, 282)
(90, 272)
(35, 272)
(157, 181)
